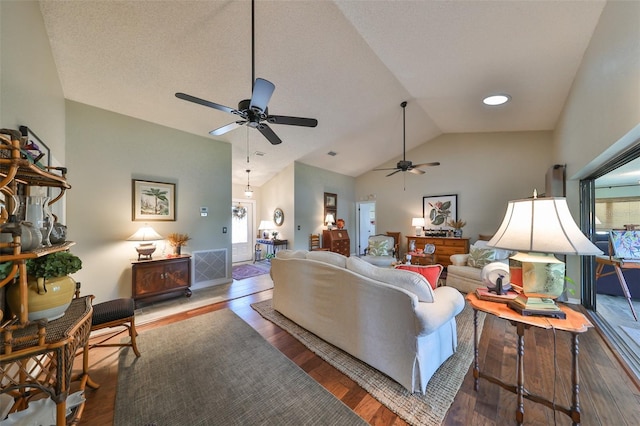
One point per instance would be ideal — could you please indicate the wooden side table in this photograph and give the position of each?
(575, 323)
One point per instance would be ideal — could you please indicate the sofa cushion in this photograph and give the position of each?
(378, 247)
(291, 254)
(480, 257)
(430, 272)
(328, 257)
(414, 283)
(499, 254)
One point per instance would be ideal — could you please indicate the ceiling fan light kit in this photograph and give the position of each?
(253, 112)
(405, 165)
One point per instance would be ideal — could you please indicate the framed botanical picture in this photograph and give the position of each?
(438, 210)
(330, 200)
(153, 201)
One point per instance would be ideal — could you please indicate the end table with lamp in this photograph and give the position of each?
(575, 323)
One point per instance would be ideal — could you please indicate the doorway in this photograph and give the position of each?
(366, 214)
(610, 200)
(242, 230)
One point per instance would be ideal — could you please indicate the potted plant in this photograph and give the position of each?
(177, 241)
(457, 226)
(49, 286)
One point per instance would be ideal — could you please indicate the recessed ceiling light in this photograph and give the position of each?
(494, 100)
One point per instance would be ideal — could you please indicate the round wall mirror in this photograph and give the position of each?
(278, 217)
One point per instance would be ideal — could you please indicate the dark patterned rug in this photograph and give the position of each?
(214, 369)
(241, 272)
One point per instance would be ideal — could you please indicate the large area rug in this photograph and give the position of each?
(241, 272)
(415, 409)
(214, 369)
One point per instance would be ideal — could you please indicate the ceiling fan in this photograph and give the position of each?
(253, 112)
(405, 165)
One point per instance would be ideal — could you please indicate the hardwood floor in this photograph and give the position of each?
(607, 395)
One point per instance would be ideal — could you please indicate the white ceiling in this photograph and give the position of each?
(347, 63)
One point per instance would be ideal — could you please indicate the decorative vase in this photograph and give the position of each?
(30, 238)
(457, 233)
(177, 250)
(46, 299)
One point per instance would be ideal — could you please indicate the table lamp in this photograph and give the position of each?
(329, 220)
(266, 226)
(539, 228)
(418, 223)
(147, 237)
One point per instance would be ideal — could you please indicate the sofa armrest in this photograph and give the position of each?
(430, 316)
(459, 259)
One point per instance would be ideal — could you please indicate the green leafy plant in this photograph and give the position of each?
(5, 269)
(54, 265)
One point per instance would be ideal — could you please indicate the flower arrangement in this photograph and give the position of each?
(178, 240)
(457, 224)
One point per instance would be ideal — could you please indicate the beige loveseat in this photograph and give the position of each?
(464, 273)
(391, 319)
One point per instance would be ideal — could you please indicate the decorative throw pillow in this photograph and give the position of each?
(378, 248)
(430, 272)
(480, 257)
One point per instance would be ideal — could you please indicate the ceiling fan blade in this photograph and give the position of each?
(224, 129)
(209, 104)
(292, 121)
(262, 91)
(416, 171)
(435, 163)
(268, 133)
(390, 168)
(393, 173)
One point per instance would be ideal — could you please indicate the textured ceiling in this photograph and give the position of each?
(347, 63)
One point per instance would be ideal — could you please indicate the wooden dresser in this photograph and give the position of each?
(157, 278)
(445, 247)
(337, 240)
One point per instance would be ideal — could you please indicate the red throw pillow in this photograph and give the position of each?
(430, 272)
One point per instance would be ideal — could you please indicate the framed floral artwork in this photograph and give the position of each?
(153, 201)
(438, 210)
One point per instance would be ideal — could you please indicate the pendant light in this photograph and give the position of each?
(248, 192)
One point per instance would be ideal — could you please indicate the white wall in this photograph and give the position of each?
(105, 151)
(485, 170)
(30, 90)
(601, 117)
(310, 185)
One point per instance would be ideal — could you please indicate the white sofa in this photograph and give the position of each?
(391, 319)
(464, 273)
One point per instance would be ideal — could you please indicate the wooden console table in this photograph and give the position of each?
(575, 323)
(618, 266)
(272, 247)
(35, 359)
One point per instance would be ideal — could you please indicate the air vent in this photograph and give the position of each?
(332, 153)
(259, 154)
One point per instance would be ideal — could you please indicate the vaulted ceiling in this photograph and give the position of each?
(347, 63)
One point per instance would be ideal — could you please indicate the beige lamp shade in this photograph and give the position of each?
(542, 225)
(266, 224)
(146, 233)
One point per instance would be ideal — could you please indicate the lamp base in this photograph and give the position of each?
(145, 251)
(536, 306)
